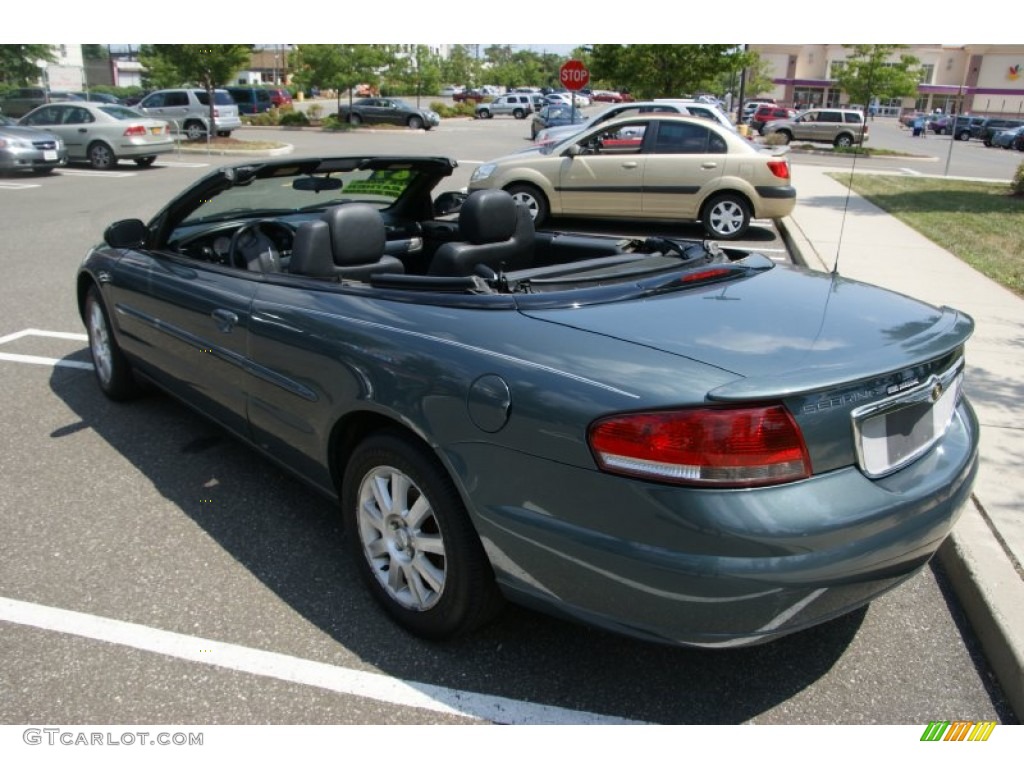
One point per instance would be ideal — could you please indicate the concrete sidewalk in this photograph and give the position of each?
(984, 556)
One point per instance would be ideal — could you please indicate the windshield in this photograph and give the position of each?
(287, 190)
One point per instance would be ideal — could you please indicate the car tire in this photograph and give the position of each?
(964, 136)
(518, 114)
(354, 119)
(113, 371)
(224, 134)
(726, 217)
(786, 136)
(483, 114)
(194, 130)
(843, 141)
(534, 200)
(101, 156)
(145, 162)
(42, 171)
(412, 539)
(415, 122)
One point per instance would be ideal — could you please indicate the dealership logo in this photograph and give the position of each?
(958, 730)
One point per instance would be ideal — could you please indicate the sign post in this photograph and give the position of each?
(574, 76)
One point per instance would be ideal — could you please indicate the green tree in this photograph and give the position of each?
(340, 67)
(19, 63)
(878, 71)
(461, 66)
(651, 71)
(206, 65)
(415, 71)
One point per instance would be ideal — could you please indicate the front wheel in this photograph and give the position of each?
(415, 122)
(101, 157)
(354, 119)
(533, 199)
(786, 136)
(145, 162)
(518, 114)
(964, 136)
(726, 217)
(483, 114)
(414, 544)
(113, 372)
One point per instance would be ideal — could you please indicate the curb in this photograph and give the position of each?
(205, 149)
(987, 579)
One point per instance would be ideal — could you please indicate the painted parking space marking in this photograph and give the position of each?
(291, 669)
(102, 174)
(15, 185)
(179, 164)
(38, 359)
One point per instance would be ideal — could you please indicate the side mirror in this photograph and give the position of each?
(128, 233)
(448, 203)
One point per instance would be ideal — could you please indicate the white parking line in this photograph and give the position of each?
(15, 185)
(180, 164)
(351, 682)
(911, 172)
(103, 174)
(38, 360)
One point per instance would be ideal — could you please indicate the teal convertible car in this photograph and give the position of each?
(669, 439)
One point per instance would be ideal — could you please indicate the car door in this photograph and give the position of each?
(51, 118)
(605, 175)
(188, 321)
(685, 161)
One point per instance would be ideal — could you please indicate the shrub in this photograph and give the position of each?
(1017, 185)
(774, 140)
(294, 118)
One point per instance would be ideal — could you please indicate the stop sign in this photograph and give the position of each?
(574, 75)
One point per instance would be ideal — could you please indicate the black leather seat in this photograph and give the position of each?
(494, 231)
(347, 243)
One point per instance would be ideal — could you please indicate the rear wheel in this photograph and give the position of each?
(518, 114)
(113, 372)
(354, 119)
(726, 217)
(101, 157)
(843, 141)
(194, 130)
(483, 113)
(786, 136)
(145, 162)
(534, 200)
(413, 541)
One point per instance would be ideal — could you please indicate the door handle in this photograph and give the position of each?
(631, 164)
(82, 130)
(225, 319)
(708, 165)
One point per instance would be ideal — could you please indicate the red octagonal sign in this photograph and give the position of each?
(574, 75)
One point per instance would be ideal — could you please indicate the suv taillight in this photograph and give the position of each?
(723, 447)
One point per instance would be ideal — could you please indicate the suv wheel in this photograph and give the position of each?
(843, 141)
(194, 130)
(518, 114)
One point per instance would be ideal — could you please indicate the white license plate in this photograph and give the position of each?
(49, 154)
(895, 436)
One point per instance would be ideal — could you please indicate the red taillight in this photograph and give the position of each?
(135, 130)
(737, 447)
(779, 167)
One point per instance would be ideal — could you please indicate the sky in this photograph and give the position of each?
(558, 28)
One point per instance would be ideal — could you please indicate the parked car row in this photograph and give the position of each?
(97, 133)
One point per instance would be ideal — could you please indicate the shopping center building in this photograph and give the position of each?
(980, 79)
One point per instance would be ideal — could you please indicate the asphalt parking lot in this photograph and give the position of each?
(153, 570)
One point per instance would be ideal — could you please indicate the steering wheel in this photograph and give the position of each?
(252, 248)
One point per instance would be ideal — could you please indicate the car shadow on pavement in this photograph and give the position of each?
(291, 540)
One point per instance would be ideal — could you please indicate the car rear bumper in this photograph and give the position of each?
(719, 568)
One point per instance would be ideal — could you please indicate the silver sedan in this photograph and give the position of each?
(29, 149)
(102, 134)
